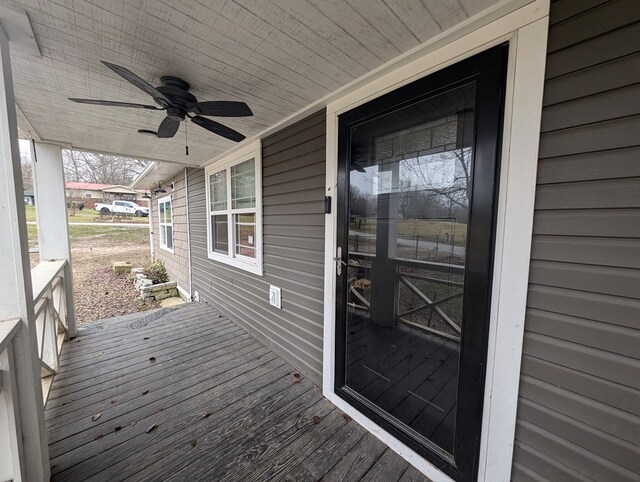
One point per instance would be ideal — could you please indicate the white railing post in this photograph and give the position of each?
(49, 299)
(11, 450)
(51, 212)
(16, 297)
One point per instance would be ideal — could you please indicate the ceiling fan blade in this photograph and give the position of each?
(114, 103)
(218, 128)
(139, 83)
(221, 108)
(148, 132)
(168, 128)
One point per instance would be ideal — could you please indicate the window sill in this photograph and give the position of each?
(237, 263)
(164, 248)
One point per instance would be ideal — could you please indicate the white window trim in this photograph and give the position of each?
(166, 199)
(253, 150)
(526, 29)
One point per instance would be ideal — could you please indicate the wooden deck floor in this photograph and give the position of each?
(185, 394)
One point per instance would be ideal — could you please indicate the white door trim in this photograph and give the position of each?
(526, 31)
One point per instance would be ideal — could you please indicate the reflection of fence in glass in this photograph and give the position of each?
(431, 299)
(434, 243)
(428, 294)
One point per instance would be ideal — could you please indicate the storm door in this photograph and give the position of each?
(417, 191)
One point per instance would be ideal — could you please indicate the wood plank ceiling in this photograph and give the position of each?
(278, 56)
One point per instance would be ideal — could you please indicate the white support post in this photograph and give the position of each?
(51, 213)
(16, 297)
(151, 233)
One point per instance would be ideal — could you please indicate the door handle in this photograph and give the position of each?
(339, 261)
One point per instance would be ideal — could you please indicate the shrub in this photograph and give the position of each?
(156, 272)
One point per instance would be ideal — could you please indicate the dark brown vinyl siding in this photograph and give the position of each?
(579, 401)
(293, 184)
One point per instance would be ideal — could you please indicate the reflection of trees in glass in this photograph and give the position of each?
(243, 185)
(361, 203)
(436, 184)
(218, 190)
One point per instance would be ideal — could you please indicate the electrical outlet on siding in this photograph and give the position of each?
(275, 297)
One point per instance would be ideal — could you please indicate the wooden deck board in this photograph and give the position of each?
(357, 462)
(123, 345)
(90, 385)
(389, 467)
(139, 378)
(163, 372)
(183, 425)
(262, 423)
(147, 404)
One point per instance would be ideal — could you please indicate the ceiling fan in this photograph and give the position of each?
(173, 96)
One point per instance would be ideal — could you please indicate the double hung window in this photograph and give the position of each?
(234, 210)
(165, 215)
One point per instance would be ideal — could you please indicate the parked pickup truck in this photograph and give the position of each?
(122, 207)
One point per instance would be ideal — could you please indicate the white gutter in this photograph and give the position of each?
(144, 172)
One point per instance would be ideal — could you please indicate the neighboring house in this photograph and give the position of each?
(91, 193)
(124, 193)
(435, 217)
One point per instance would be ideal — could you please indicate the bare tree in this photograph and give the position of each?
(453, 190)
(100, 168)
(27, 170)
(72, 204)
(361, 203)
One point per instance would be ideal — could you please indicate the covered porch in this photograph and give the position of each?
(186, 394)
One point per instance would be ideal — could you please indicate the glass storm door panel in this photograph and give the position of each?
(417, 192)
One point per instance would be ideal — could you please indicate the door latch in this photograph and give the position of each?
(339, 261)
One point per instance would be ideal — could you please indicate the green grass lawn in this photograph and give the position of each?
(426, 229)
(114, 233)
(32, 232)
(87, 233)
(89, 215)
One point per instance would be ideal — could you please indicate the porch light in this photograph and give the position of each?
(160, 189)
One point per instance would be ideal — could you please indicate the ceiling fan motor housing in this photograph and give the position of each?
(177, 91)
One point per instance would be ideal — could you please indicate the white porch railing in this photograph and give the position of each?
(10, 432)
(50, 297)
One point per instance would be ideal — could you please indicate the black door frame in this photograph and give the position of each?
(488, 70)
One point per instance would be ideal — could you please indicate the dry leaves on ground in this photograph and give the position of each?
(99, 292)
